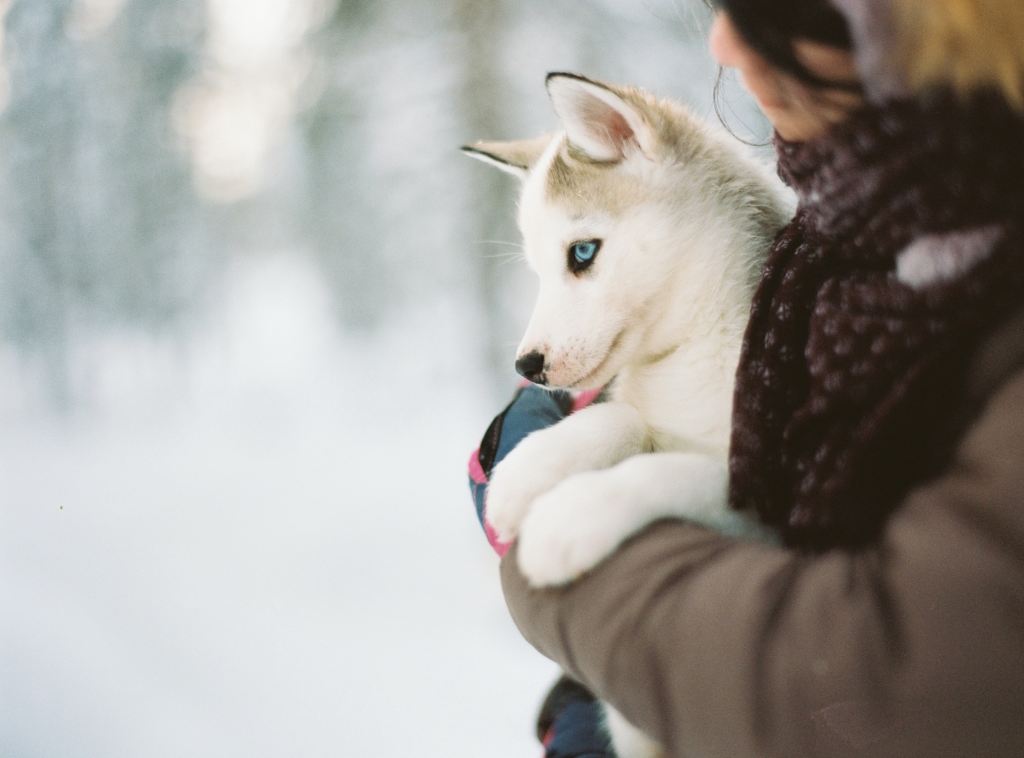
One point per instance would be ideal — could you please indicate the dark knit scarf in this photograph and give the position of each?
(849, 378)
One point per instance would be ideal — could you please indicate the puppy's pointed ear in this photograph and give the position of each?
(516, 157)
(598, 120)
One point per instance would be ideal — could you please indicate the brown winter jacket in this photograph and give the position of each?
(913, 646)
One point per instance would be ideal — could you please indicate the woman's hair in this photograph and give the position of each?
(771, 27)
(965, 45)
(968, 45)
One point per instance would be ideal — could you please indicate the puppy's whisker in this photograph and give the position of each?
(498, 242)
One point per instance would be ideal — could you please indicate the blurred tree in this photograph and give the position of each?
(342, 222)
(480, 26)
(40, 130)
(100, 222)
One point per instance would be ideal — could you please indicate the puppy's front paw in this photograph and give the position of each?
(508, 499)
(572, 528)
(526, 473)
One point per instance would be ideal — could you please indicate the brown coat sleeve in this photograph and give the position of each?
(912, 648)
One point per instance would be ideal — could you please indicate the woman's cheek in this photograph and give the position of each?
(764, 85)
(722, 41)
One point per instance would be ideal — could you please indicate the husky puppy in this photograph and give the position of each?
(647, 232)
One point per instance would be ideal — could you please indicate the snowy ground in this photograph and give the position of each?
(257, 541)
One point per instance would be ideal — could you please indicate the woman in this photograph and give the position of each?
(878, 419)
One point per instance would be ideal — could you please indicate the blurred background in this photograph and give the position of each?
(255, 311)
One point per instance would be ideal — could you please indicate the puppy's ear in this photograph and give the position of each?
(516, 157)
(598, 120)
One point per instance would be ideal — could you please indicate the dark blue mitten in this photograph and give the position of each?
(531, 409)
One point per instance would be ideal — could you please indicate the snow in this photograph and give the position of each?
(257, 542)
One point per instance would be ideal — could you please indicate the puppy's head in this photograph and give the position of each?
(596, 214)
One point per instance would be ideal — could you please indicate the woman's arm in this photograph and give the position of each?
(720, 648)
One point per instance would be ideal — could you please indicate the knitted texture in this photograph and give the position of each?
(846, 370)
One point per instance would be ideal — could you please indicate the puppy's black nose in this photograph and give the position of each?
(531, 366)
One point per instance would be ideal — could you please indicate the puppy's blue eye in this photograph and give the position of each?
(582, 254)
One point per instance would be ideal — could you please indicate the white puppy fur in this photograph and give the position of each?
(682, 219)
